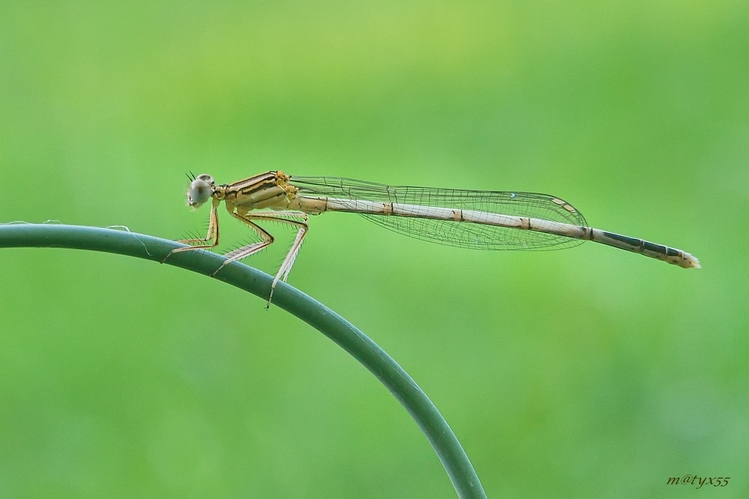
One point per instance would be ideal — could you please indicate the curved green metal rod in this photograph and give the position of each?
(317, 315)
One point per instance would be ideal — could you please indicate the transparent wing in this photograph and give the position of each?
(456, 233)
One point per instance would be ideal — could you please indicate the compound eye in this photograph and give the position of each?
(200, 190)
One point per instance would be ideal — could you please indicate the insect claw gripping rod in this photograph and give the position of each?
(492, 220)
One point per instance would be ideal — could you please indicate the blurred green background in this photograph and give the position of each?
(588, 372)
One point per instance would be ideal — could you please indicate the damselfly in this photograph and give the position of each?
(492, 220)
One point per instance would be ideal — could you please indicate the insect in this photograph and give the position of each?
(490, 220)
